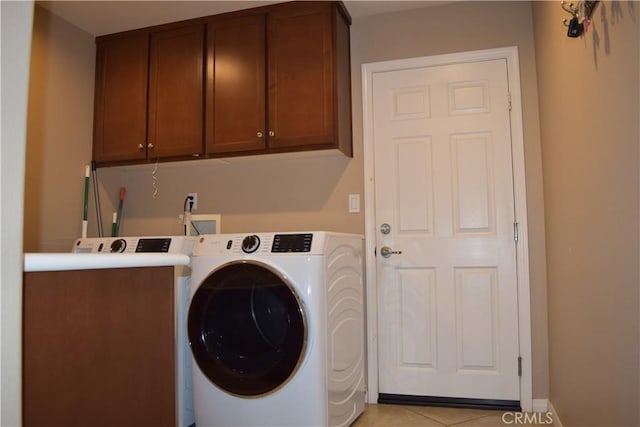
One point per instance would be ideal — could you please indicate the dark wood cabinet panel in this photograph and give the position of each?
(342, 81)
(301, 89)
(236, 94)
(309, 77)
(120, 123)
(98, 348)
(176, 85)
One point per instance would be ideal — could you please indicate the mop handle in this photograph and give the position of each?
(85, 213)
(96, 197)
(123, 192)
(114, 226)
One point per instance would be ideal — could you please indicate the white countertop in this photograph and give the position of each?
(73, 261)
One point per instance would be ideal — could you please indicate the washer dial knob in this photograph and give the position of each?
(250, 244)
(118, 246)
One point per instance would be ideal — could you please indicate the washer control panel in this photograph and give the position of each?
(156, 245)
(118, 245)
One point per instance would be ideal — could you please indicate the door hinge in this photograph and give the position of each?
(515, 231)
(509, 100)
(519, 366)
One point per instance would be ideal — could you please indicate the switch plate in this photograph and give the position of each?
(354, 203)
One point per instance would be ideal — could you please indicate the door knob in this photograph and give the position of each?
(386, 252)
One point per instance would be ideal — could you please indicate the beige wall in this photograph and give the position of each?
(310, 192)
(256, 194)
(588, 91)
(59, 132)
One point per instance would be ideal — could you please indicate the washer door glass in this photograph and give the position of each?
(247, 329)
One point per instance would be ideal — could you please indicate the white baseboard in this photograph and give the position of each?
(556, 419)
(545, 406)
(540, 405)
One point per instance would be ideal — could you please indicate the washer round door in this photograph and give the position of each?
(247, 329)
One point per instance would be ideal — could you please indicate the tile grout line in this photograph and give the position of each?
(447, 424)
(408, 408)
(471, 419)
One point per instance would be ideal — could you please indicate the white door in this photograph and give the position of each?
(448, 303)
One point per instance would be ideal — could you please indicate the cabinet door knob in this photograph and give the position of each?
(150, 146)
(140, 147)
(272, 133)
(259, 134)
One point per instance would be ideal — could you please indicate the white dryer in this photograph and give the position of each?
(276, 329)
(159, 245)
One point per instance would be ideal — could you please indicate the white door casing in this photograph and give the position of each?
(464, 164)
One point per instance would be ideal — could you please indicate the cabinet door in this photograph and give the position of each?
(176, 84)
(301, 83)
(120, 122)
(99, 348)
(235, 117)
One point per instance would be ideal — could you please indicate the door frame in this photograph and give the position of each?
(510, 54)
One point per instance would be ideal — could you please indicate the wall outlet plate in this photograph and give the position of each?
(195, 201)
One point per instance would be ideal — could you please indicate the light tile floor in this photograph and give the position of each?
(431, 416)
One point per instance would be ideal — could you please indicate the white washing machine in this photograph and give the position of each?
(276, 329)
(170, 245)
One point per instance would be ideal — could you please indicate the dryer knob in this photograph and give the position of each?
(250, 244)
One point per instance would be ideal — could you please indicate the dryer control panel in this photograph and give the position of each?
(254, 244)
(292, 243)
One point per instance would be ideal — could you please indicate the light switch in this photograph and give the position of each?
(354, 203)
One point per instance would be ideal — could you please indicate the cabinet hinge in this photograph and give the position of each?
(509, 100)
(515, 231)
(519, 366)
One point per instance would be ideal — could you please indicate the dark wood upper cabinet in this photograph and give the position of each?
(302, 93)
(176, 85)
(266, 80)
(236, 86)
(279, 80)
(149, 98)
(120, 123)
